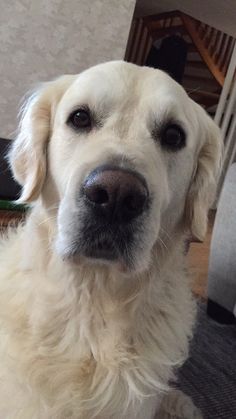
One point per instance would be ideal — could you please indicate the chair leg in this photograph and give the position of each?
(219, 313)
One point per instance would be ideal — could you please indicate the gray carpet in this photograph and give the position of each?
(209, 375)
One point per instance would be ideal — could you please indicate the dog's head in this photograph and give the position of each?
(124, 155)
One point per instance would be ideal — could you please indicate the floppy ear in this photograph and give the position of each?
(203, 186)
(28, 154)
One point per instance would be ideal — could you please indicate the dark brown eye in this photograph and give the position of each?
(80, 119)
(173, 137)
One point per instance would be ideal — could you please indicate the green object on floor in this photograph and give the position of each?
(11, 206)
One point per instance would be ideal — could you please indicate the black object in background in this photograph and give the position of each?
(9, 189)
(170, 57)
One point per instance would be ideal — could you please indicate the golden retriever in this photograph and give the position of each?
(96, 310)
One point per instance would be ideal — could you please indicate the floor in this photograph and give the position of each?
(198, 257)
(208, 376)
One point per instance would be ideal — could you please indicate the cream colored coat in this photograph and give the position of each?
(79, 339)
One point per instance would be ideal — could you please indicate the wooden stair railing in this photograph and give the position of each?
(215, 51)
(214, 46)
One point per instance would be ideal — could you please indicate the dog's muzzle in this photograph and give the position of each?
(114, 200)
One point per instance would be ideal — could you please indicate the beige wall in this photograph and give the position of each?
(41, 39)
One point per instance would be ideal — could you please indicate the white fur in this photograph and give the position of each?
(79, 339)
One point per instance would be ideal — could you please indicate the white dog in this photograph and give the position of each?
(96, 311)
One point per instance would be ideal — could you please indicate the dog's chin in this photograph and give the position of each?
(99, 255)
(105, 251)
(95, 261)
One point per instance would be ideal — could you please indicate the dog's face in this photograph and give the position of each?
(124, 155)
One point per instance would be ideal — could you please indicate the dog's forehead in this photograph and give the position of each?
(116, 82)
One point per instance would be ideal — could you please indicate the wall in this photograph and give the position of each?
(40, 40)
(220, 14)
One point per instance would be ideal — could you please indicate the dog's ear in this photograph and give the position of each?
(28, 154)
(203, 186)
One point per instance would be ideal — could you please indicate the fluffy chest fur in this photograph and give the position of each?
(70, 335)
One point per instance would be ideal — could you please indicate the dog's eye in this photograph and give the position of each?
(80, 119)
(173, 137)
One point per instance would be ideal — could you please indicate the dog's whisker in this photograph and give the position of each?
(163, 243)
(53, 207)
(162, 230)
(52, 218)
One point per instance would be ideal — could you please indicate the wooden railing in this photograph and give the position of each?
(145, 31)
(214, 46)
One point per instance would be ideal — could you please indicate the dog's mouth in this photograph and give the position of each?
(103, 249)
(114, 246)
(106, 244)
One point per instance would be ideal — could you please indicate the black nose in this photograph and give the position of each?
(116, 193)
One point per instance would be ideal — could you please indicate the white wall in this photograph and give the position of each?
(41, 39)
(220, 14)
